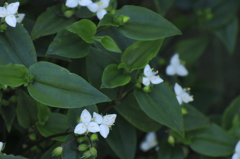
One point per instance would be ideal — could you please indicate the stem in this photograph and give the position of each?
(69, 142)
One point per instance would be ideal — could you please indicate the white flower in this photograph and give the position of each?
(99, 8)
(20, 17)
(182, 94)
(236, 155)
(176, 67)
(106, 122)
(9, 12)
(86, 125)
(1, 146)
(150, 76)
(149, 142)
(75, 3)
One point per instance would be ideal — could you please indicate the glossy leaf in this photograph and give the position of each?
(68, 151)
(168, 151)
(13, 75)
(130, 111)
(145, 24)
(84, 28)
(50, 23)
(118, 136)
(17, 47)
(56, 86)
(26, 109)
(108, 43)
(162, 106)
(212, 141)
(43, 113)
(56, 124)
(139, 54)
(67, 44)
(113, 77)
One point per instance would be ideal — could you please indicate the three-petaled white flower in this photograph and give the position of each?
(182, 94)
(149, 142)
(236, 155)
(86, 125)
(106, 122)
(75, 3)
(99, 7)
(1, 146)
(20, 17)
(150, 76)
(9, 12)
(176, 67)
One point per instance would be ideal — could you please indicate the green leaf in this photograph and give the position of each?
(8, 113)
(130, 110)
(50, 23)
(162, 6)
(191, 49)
(56, 86)
(108, 43)
(13, 75)
(194, 119)
(145, 24)
(161, 105)
(43, 113)
(11, 157)
(48, 153)
(228, 34)
(113, 77)
(17, 47)
(212, 141)
(231, 110)
(74, 114)
(67, 44)
(56, 124)
(85, 29)
(26, 109)
(117, 138)
(68, 151)
(138, 55)
(107, 20)
(167, 151)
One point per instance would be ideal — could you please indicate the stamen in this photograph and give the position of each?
(100, 3)
(158, 76)
(82, 126)
(192, 96)
(189, 88)
(6, 2)
(152, 68)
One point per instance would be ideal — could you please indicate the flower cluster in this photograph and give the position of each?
(150, 76)
(236, 155)
(149, 142)
(98, 123)
(98, 8)
(9, 12)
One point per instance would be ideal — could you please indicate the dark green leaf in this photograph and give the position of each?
(13, 75)
(145, 24)
(84, 28)
(108, 43)
(26, 109)
(11, 157)
(107, 20)
(56, 124)
(67, 44)
(56, 86)
(139, 54)
(130, 110)
(163, 5)
(68, 151)
(122, 132)
(50, 23)
(48, 153)
(167, 151)
(113, 77)
(43, 113)
(17, 47)
(161, 105)
(8, 113)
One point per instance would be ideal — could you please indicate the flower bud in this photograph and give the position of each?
(87, 154)
(57, 151)
(93, 151)
(120, 19)
(83, 147)
(68, 13)
(94, 137)
(184, 111)
(81, 139)
(171, 140)
(147, 89)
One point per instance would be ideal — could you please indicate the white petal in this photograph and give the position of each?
(235, 156)
(12, 8)
(237, 147)
(144, 146)
(11, 20)
(156, 80)
(80, 128)
(175, 59)
(3, 12)
(186, 97)
(181, 70)
(179, 100)
(151, 136)
(147, 71)
(86, 116)
(145, 81)
(178, 89)
(93, 7)
(1, 146)
(109, 119)
(103, 3)
(101, 13)
(84, 2)
(93, 127)
(20, 17)
(71, 3)
(98, 118)
(104, 130)
(170, 70)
